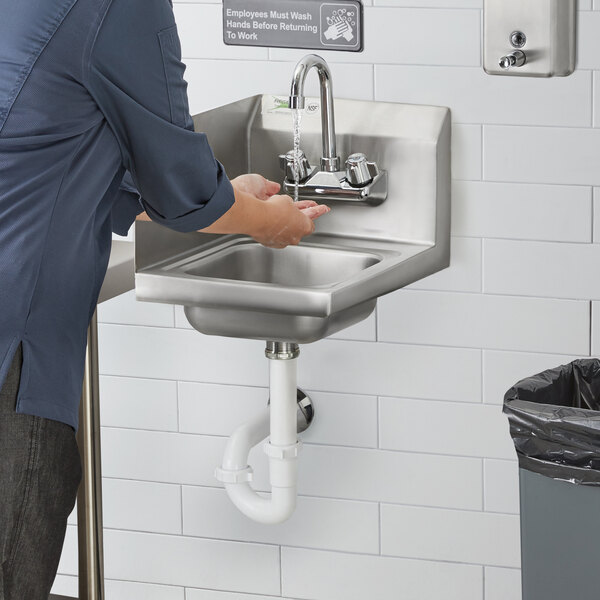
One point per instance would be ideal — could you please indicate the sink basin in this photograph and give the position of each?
(307, 266)
(230, 285)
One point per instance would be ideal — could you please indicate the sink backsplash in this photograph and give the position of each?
(412, 143)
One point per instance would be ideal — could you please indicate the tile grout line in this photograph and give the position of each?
(380, 531)
(482, 150)
(482, 406)
(395, 503)
(353, 553)
(177, 404)
(377, 413)
(181, 507)
(425, 344)
(482, 354)
(593, 198)
(594, 76)
(591, 332)
(483, 581)
(483, 485)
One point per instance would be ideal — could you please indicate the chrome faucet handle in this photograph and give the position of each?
(515, 59)
(359, 171)
(286, 162)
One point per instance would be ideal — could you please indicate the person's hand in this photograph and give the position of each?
(275, 221)
(288, 222)
(311, 209)
(256, 185)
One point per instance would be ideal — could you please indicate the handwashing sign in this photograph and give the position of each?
(312, 24)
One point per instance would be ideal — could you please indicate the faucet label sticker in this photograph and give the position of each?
(281, 105)
(309, 24)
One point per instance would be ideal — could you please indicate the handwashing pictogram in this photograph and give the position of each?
(339, 25)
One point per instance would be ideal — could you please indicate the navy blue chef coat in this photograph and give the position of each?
(91, 91)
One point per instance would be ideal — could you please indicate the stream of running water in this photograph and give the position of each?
(297, 114)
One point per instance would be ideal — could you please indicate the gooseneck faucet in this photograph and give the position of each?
(330, 161)
(360, 180)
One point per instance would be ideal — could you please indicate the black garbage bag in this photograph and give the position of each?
(554, 419)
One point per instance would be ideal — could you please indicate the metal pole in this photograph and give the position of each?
(89, 496)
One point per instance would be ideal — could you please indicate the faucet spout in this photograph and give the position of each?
(330, 161)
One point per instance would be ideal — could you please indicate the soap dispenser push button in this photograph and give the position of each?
(515, 59)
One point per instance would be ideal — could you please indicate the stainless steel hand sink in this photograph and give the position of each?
(232, 286)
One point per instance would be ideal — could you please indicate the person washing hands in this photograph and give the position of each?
(277, 223)
(94, 129)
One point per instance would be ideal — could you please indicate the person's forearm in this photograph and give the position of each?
(273, 221)
(246, 216)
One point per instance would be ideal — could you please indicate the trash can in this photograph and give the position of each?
(554, 420)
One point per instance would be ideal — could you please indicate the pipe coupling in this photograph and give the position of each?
(234, 475)
(282, 350)
(282, 452)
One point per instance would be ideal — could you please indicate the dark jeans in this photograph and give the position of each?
(40, 472)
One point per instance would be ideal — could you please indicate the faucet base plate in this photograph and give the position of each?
(335, 187)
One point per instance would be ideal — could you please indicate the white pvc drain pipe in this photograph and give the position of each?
(282, 447)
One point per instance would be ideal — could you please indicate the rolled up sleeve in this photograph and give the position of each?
(135, 75)
(126, 206)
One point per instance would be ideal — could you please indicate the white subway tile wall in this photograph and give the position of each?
(501, 485)
(451, 535)
(308, 574)
(408, 480)
(502, 584)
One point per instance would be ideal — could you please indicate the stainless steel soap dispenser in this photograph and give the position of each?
(529, 38)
